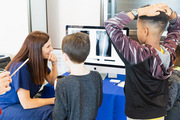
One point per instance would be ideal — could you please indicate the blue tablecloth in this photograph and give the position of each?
(113, 104)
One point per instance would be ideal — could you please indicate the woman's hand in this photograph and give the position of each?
(53, 58)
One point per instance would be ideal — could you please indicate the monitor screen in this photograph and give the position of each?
(102, 57)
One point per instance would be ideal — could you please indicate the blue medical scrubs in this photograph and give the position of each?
(10, 104)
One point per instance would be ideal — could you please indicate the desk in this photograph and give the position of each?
(113, 104)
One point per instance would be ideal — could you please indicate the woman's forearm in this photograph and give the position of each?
(54, 71)
(53, 74)
(29, 103)
(37, 102)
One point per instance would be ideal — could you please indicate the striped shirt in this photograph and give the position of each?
(147, 69)
(135, 53)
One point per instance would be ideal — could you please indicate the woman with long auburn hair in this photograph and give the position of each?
(18, 103)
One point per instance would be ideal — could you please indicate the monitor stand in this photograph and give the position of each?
(103, 75)
(109, 75)
(112, 75)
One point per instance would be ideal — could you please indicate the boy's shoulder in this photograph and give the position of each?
(65, 79)
(96, 74)
(72, 78)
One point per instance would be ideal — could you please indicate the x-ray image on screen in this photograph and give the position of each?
(103, 46)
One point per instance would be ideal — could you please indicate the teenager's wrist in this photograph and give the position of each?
(131, 16)
(173, 15)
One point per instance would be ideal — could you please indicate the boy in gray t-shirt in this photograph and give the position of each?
(79, 95)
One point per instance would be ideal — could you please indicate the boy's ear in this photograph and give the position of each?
(65, 57)
(146, 31)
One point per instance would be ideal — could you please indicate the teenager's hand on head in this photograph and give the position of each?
(52, 58)
(168, 11)
(161, 5)
(152, 10)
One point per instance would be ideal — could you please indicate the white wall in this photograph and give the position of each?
(38, 15)
(14, 20)
(70, 12)
(13, 25)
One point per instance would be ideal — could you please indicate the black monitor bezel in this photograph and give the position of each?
(90, 27)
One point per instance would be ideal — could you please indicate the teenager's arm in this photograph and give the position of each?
(124, 45)
(29, 103)
(131, 50)
(173, 35)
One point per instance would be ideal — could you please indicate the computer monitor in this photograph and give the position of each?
(103, 56)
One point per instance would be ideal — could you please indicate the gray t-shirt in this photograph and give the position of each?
(165, 58)
(78, 97)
